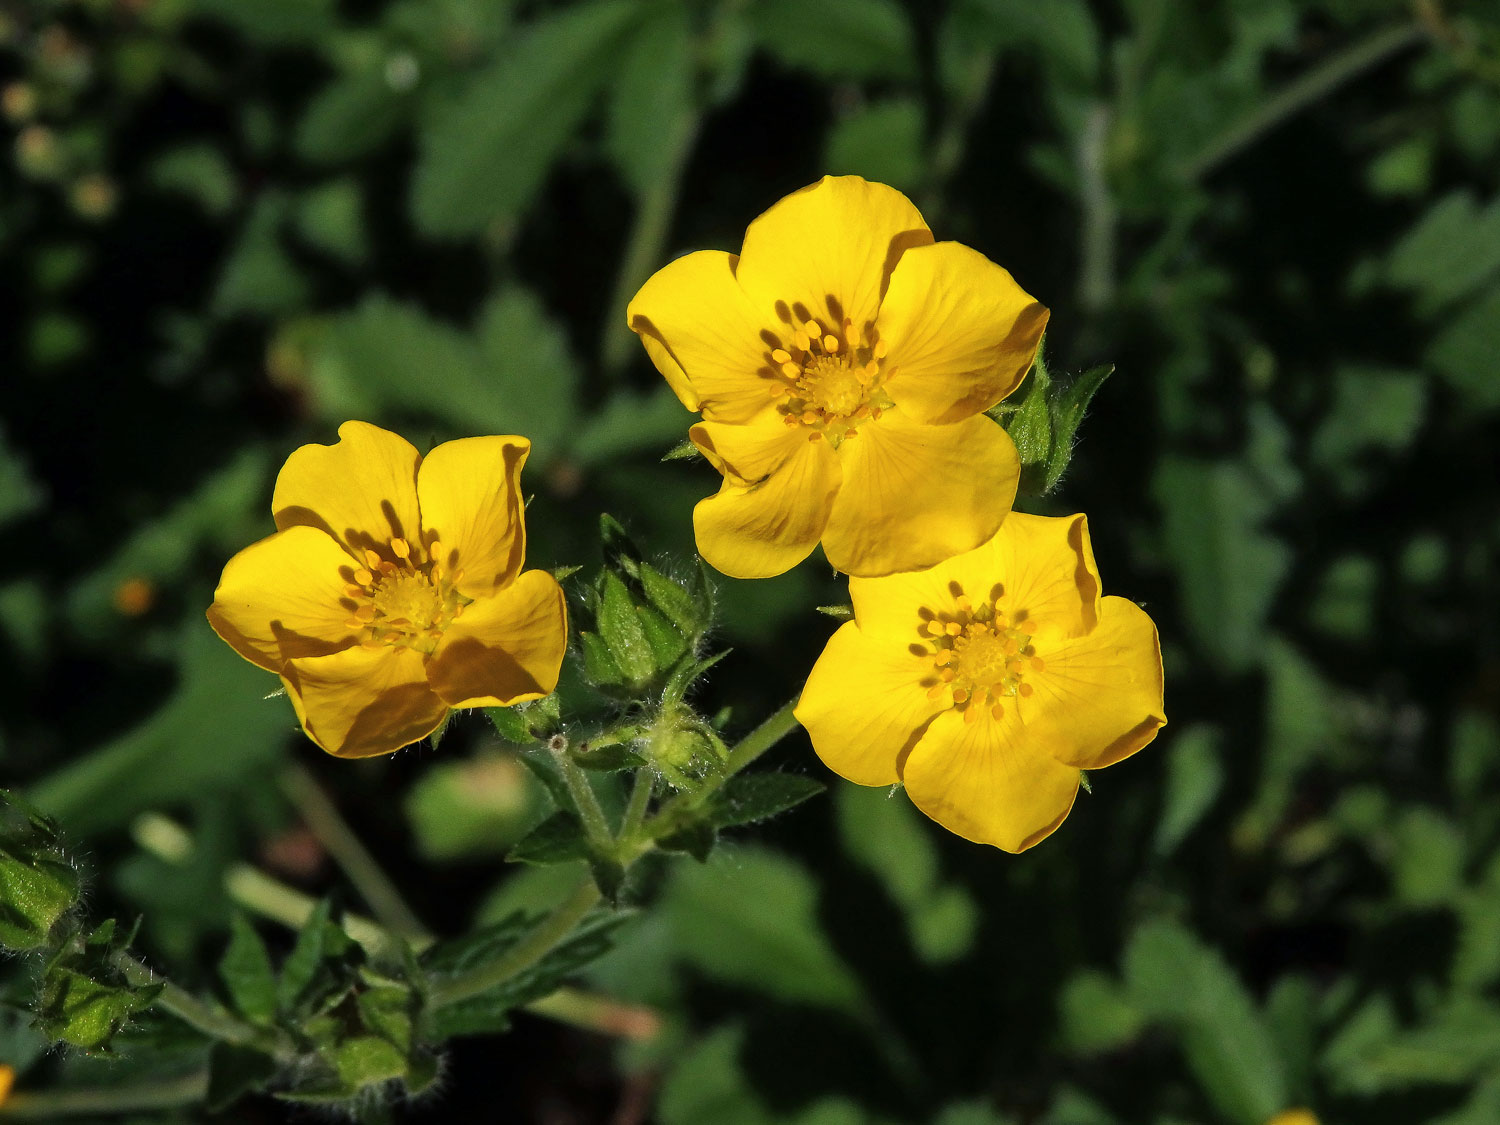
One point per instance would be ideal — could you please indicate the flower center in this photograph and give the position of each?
(402, 597)
(980, 654)
(828, 381)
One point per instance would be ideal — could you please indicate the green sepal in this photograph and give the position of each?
(1043, 421)
(85, 998)
(687, 673)
(837, 612)
(689, 609)
(37, 884)
(622, 631)
(526, 723)
(599, 664)
(558, 839)
(682, 451)
(667, 644)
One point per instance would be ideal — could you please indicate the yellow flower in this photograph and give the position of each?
(986, 683)
(1294, 1117)
(7, 1081)
(843, 362)
(393, 589)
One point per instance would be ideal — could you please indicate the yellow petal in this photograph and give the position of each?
(1099, 697)
(987, 782)
(1046, 565)
(760, 530)
(362, 490)
(504, 649)
(285, 597)
(749, 454)
(962, 333)
(893, 605)
(705, 336)
(364, 701)
(914, 495)
(864, 707)
(471, 502)
(826, 252)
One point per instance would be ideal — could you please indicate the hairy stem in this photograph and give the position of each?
(1300, 93)
(209, 1019)
(41, 1105)
(653, 222)
(333, 832)
(521, 956)
(595, 826)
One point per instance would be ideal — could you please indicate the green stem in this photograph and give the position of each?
(557, 925)
(777, 726)
(640, 800)
(521, 956)
(212, 1021)
(1300, 93)
(653, 222)
(1096, 274)
(595, 826)
(333, 832)
(39, 1105)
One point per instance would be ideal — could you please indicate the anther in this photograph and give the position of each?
(960, 695)
(781, 355)
(971, 715)
(1038, 664)
(1025, 690)
(880, 349)
(363, 577)
(997, 712)
(372, 558)
(790, 369)
(365, 613)
(813, 329)
(400, 548)
(830, 344)
(802, 341)
(953, 628)
(355, 591)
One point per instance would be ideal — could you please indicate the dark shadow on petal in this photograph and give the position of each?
(899, 245)
(396, 718)
(469, 669)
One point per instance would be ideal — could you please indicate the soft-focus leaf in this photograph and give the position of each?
(723, 929)
(1194, 777)
(246, 972)
(848, 39)
(486, 150)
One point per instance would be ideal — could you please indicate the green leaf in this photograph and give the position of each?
(37, 884)
(748, 797)
(259, 277)
(484, 152)
(1195, 775)
(510, 724)
(199, 172)
(750, 919)
(558, 839)
(651, 100)
(608, 759)
(220, 703)
(488, 1012)
(628, 424)
(1464, 351)
(881, 141)
(1229, 568)
(1449, 253)
(354, 114)
(1175, 979)
(1374, 411)
(472, 808)
(1062, 34)
(848, 39)
(528, 370)
(246, 972)
(308, 974)
(331, 218)
(232, 1073)
(1096, 1016)
(274, 22)
(1428, 859)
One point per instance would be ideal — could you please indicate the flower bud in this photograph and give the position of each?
(37, 885)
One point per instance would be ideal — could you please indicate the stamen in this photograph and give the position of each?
(400, 548)
(1024, 690)
(372, 558)
(880, 349)
(363, 576)
(781, 355)
(830, 344)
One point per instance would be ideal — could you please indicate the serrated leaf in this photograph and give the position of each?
(749, 797)
(1175, 979)
(544, 766)
(487, 1012)
(848, 39)
(485, 151)
(246, 972)
(558, 839)
(305, 978)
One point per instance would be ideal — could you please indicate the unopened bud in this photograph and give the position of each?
(37, 885)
